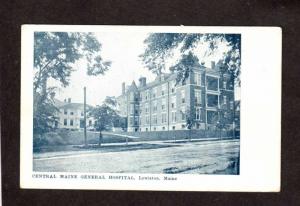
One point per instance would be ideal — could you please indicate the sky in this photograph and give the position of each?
(123, 50)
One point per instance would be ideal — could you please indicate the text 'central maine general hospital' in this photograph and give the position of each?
(162, 105)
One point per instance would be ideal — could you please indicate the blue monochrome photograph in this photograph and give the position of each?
(136, 102)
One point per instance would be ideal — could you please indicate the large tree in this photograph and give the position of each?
(164, 47)
(55, 54)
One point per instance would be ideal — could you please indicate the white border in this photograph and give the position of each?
(260, 115)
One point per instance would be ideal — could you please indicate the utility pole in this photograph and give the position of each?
(84, 111)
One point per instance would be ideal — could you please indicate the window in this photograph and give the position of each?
(65, 111)
(182, 96)
(212, 83)
(163, 128)
(224, 84)
(71, 122)
(173, 127)
(146, 95)
(212, 100)
(147, 119)
(81, 113)
(163, 89)
(146, 108)
(231, 105)
(131, 109)
(198, 113)
(212, 117)
(154, 106)
(154, 91)
(173, 102)
(163, 104)
(136, 120)
(173, 86)
(197, 78)
(225, 99)
(71, 113)
(183, 126)
(163, 118)
(141, 96)
(173, 116)
(65, 122)
(81, 123)
(197, 96)
(146, 129)
(132, 96)
(131, 120)
(154, 119)
(154, 128)
(182, 113)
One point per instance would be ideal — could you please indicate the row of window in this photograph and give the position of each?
(212, 101)
(163, 128)
(146, 95)
(71, 112)
(182, 114)
(212, 84)
(71, 122)
(211, 117)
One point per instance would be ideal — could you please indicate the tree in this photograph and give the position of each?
(111, 101)
(184, 67)
(161, 47)
(54, 56)
(190, 121)
(44, 119)
(105, 117)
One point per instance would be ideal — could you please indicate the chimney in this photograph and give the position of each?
(123, 88)
(69, 100)
(142, 81)
(213, 65)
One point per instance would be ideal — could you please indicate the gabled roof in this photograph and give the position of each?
(132, 87)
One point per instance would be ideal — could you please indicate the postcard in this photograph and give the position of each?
(169, 108)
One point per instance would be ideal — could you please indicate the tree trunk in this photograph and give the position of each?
(190, 138)
(100, 138)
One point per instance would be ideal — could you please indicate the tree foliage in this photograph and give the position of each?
(105, 117)
(190, 120)
(184, 66)
(111, 101)
(161, 47)
(55, 54)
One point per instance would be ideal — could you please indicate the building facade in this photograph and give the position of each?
(206, 96)
(71, 116)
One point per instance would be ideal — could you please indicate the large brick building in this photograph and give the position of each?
(207, 96)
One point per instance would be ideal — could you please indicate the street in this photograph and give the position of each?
(196, 157)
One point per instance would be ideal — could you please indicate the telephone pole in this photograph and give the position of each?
(84, 113)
